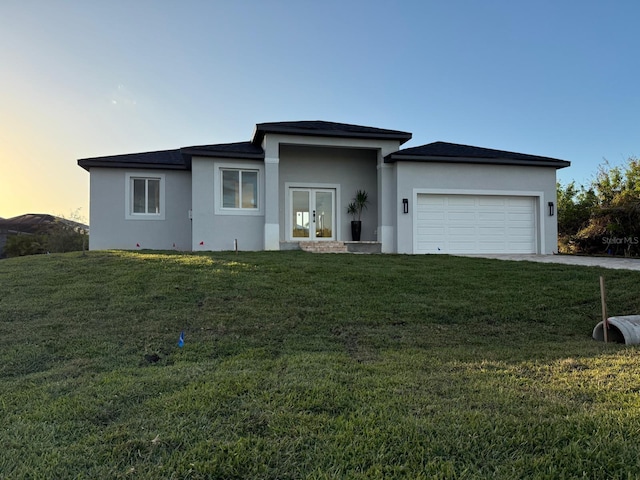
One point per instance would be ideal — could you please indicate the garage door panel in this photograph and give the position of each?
(461, 217)
(460, 247)
(525, 248)
(431, 216)
(459, 235)
(524, 202)
(491, 202)
(520, 229)
(460, 201)
(519, 234)
(425, 207)
(431, 234)
(489, 231)
(491, 216)
(475, 224)
(516, 237)
(517, 240)
(526, 216)
(431, 200)
(429, 247)
(519, 222)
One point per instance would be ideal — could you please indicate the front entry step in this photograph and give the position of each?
(323, 247)
(341, 247)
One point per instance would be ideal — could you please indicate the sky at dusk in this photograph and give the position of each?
(86, 78)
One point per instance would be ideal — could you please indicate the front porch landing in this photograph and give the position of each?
(341, 247)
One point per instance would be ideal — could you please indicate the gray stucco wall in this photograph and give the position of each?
(348, 168)
(420, 177)
(110, 229)
(216, 230)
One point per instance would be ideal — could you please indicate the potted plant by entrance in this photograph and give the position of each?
(355, 209)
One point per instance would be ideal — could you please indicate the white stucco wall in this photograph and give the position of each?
(387, 186)
(422, 177)
(214, 229)
(110, 229)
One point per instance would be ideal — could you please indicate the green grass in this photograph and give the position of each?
(312, 366)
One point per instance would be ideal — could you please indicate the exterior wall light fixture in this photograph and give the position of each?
(550, 209)
(405, 205)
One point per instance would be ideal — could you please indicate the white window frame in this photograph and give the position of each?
(219, 167)
(129, 213)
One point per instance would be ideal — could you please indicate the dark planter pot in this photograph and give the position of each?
(356, 229)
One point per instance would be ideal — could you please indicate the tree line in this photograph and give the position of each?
(33, 234)
(604, 216)
(58, 239)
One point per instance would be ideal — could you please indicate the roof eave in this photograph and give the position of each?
(261, 131)
(394, 157)
(239, 155)
(89, 163)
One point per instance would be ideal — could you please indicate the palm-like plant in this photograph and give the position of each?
(358, 205)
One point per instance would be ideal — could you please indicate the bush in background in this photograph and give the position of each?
(59, 237)
(25, 244)
(605, 217)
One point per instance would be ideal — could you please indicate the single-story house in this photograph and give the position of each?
(292, 182)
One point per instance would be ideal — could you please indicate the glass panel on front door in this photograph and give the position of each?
(312, 213)
(300, 207)
(324, 214)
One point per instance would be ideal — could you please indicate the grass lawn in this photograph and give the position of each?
(298, 365)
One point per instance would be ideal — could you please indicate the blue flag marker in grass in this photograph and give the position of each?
(181, 340)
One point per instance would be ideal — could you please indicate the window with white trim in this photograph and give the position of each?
(145, 196)
(239, 189)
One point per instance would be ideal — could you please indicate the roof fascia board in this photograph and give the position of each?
(221, 154)
(260, 132)
(341, 142)
(394, 157)
(87, 164)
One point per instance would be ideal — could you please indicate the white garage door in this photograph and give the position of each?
(475, 224)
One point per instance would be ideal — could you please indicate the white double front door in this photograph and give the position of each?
(313, 213)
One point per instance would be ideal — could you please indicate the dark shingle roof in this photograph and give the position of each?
(226, 150)
(455, 153)
(328, 129)
(179, 159)
(168, 159)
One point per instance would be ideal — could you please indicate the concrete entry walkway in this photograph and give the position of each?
(616, 263)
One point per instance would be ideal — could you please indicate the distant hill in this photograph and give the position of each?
(35, 223)
(42, 224)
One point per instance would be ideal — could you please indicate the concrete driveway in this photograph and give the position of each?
(605, 262)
